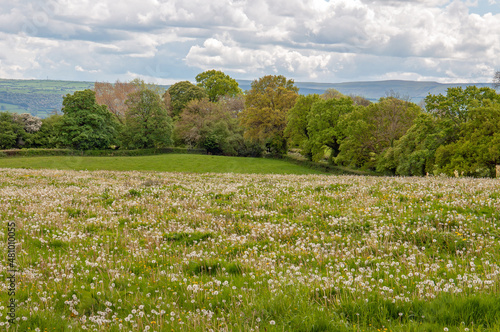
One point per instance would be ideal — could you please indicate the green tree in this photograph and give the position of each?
(266, 107)
(372, 129)
(296, 128)
(180, 94)
(86, 125)
(217, 84)
(48, 135)
(323, 127)
(147, 122)
(208, 125)
(477, 151)
(457, 102)
(414, 152)
(11, 132)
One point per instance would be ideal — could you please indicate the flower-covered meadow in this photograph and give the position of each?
(138, 251)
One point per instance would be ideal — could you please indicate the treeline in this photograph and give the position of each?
(456, 134)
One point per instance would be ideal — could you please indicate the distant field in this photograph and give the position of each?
(161, 163)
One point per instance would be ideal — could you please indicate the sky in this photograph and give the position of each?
(166, 41)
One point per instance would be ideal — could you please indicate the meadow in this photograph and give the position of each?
(153, 251)
(191, 163)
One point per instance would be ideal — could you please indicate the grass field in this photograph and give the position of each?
(162, 163)
(152, 251)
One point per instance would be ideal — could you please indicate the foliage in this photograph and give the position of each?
(266, 107)
(414, 152)
(496, 80)
(331, 93)
(114, 97)
(147, 122)
(477, 151)
(370, 130)
(31, 124)
(11, 131)
(48, 135)
(217, 84)
(323, 127)
(457, 102)
(180, 94)
(86, 125)
(206, 125)
(214, 127)
(296, 128)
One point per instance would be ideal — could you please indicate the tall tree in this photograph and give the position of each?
(147, 122)
(48, 135)
(370, 130)
(323, 126)
(456, 103)
(12, 132)
(477, 151)
(414, 152)
(217, 84)
(180, 94)
(114, 97)
(208, 125)
(86, 125)
(296, 128)
(266, 108)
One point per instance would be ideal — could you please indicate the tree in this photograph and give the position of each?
(477, 151)
(180, 94)
(147, 122)
(31, 124)
(114, 97)
(48, 135)
(370, 130)
(456, 103)
(217, 84)
(86, 125)
(323, 127)
(266, 107)
(496, 80)
(209, 125)
(414, 152)
(296, 128)
(331, 93)
(11, 131)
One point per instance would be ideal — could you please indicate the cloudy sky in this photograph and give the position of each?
(165, 41)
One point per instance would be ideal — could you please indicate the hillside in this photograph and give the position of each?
(43, 97)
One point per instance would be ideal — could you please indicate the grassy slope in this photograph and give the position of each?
(162, 163)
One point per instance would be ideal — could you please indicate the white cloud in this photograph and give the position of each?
(331, 41)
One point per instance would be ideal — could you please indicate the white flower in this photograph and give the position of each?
(272, 322)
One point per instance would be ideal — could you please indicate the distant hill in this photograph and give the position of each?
(374, 90)
(43, 97)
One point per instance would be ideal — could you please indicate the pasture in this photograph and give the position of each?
(153, 251)
(188, 163)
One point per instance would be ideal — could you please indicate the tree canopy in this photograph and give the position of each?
(266, 107)
(148, 123)
(181, 93)
(86, 125)
(217, 84)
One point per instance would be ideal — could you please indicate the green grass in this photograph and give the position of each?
(161, 163)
